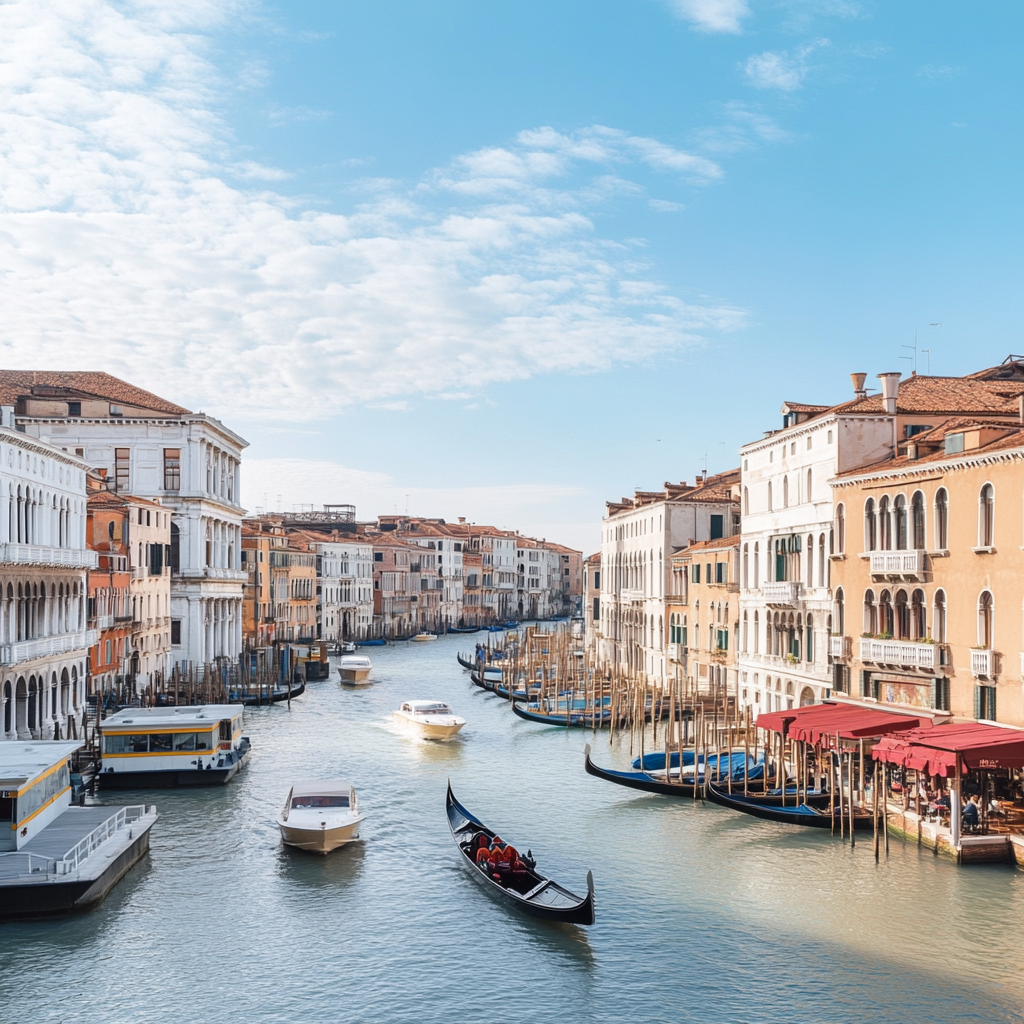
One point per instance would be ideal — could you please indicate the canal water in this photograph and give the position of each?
(702, 914)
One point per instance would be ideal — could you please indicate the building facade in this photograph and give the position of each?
(151, 448)
(44, 558)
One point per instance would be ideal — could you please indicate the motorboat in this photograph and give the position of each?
(347, 647)
(432, 719)
(424, 638)
(320, 815)
(354, 669)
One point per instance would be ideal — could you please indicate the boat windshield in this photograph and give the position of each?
(319, 801)
(433, 709)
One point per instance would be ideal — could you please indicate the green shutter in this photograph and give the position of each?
(977, 702)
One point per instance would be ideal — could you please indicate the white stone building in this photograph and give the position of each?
(155, 449)
(44, 643)
(638, 537)
(345, 571)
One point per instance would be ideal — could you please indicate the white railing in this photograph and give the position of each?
(105, 621)
(897, 563)
(983, 664)
(900, 652)
(840, 646)
(217, 573)
(631, 595)
(18, 865)
(99, 835)
(675, 652)
(781, 592)
(37, 554)
(47, 646)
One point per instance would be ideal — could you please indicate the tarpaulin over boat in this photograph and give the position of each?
(850, 721)
(934, 750)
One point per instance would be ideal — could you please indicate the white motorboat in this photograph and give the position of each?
(424, 638)
(320, 815)
(354, 669)
(431, 719)
(347, 647)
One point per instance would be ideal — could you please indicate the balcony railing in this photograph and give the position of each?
(900, 652)
(675, 652)
(909, 564)
(47, 646)
(35, 554)
(782, 593)
(104, 621)
(983, 664)
(631, 595)
(840, 647)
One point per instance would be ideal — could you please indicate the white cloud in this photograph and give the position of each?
(939, 72)
(665, 205)
(134, 240)
(781, 69)
(712, 15)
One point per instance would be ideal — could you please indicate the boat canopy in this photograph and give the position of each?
(321, 787)
(850, 721)
(935, 750)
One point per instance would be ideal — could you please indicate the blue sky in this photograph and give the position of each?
(506, 259)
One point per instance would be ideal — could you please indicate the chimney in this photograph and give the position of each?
(858, 384)
(912, 451)
(890, 388)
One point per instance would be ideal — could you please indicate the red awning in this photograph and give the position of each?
(850, 721)
(934, 750)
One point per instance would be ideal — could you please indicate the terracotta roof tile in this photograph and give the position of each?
(17, 383)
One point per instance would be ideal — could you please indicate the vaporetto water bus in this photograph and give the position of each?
(178, 746)
(57, 858)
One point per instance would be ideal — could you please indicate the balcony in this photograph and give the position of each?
(782, 593)
(675, 652)
(47, 646)
(214, 573)
(902, 653)
(631, 595)
(34, 554)
(104, 621)
(840, 647)
(897, 565)
(983, 664)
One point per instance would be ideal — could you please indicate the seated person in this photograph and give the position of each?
(970, 813)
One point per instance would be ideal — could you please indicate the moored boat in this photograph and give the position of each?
(465, 662)
(376, 642)
(355, 669)
(464, 629)
(199, 745)
(518, 882)
(424, 638)
(320, 815)
(430, 719)
(800, 814)
(582, 718)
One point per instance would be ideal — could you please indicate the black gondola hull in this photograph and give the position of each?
(578, 910)
(804, 816)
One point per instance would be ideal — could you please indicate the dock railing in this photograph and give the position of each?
(19, 865)
(124, 817)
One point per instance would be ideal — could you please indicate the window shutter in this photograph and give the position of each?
(977, 702)
(992, 704)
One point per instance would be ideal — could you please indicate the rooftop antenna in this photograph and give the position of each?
(913, 348)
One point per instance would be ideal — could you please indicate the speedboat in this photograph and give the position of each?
(354, 669)
(424, 638)
(320, 815)
(432, 719)
(347, 647)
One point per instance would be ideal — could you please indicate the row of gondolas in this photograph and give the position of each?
(731, 779)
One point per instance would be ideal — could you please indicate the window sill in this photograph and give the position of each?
(841, 558)
(943, 553)
(984, 550)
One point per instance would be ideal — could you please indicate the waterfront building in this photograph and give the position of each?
(787, 518)
(395, 607)
(152, 448)
(472, 588)
(591, 586)
(927, 608)
(345, 581)
(258, 536)
(638, 537)
(44, 653)
(704, 616)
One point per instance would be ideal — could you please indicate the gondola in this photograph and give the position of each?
(465, 662)
(532, 892)
(378, 642)
(464, 629)
(582, 719)
(478, 680)
(255, 699)
(801, 815)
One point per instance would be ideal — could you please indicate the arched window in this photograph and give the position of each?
(941, 519)
(884, 525)
(918, 615)
(901, 617)
(885, 616)
(810, 561)
(746, 502)
(870, 525)
(986, 516)
(757, 567)
(917, 519)
(757, 634)
(870, 613)
(809, 626)
(840, 612)
(785, 492)
(746, 634)
(769, 496)
(840, 529)
(809, 492)
(746, 567)
(939, 617)
(985, 622)
(822, 564)
(899, 509)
